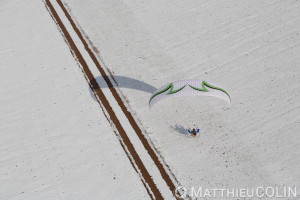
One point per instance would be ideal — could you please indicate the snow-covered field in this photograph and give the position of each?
(56, 142)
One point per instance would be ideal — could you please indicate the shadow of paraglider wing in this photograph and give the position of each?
(124, 82)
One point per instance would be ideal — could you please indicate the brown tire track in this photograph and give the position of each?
(129, 116)
(98, 92)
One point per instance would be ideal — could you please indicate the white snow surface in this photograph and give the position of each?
(252, 48)
(55, 142)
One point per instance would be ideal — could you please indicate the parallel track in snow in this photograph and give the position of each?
(152, 170)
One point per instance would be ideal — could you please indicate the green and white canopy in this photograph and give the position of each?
(188, 88)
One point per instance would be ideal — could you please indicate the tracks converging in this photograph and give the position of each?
(152, 176)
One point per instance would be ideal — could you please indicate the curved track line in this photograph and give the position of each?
(129, 116)
(98, 92)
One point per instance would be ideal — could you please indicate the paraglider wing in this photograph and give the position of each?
(188, 88)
